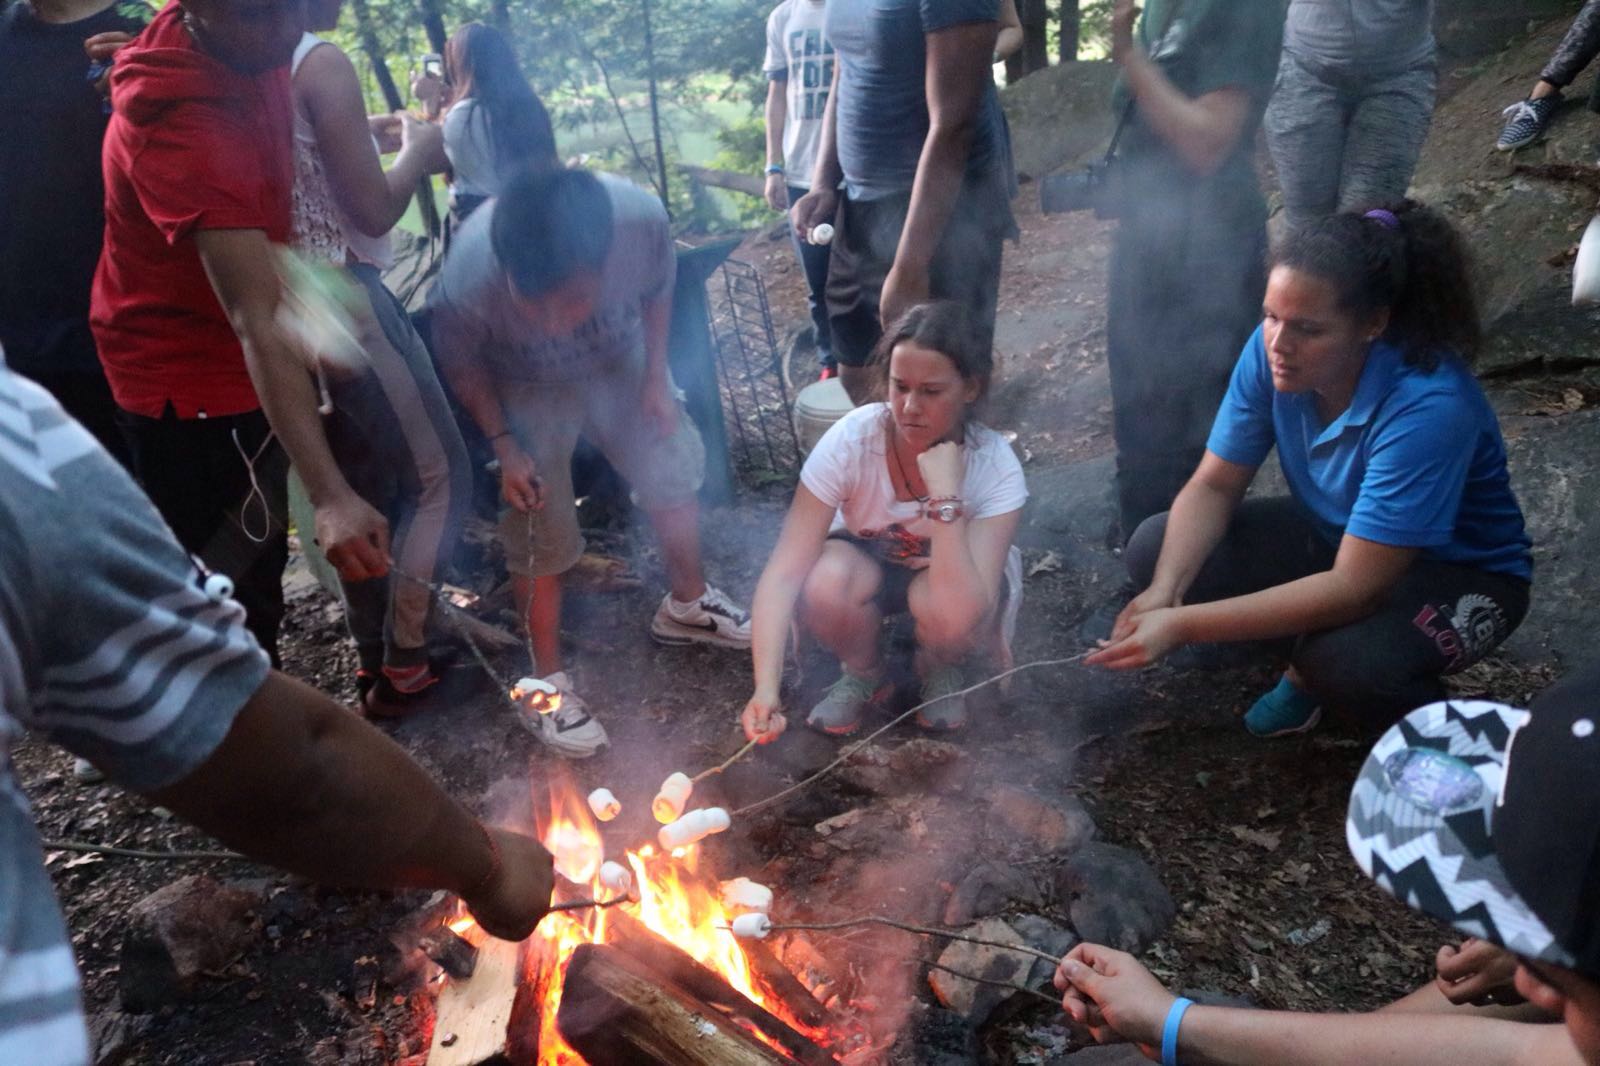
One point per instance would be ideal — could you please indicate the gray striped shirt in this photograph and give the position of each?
(109, 647)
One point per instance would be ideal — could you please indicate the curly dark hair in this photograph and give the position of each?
(1417, 269)
(945, 327)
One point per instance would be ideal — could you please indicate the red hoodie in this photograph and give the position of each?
(192, 145)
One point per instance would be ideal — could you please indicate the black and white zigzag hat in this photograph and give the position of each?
(1488, 817)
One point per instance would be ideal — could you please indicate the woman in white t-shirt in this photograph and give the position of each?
(909, 505)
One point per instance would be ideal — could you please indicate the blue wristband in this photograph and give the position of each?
(1169, 1031)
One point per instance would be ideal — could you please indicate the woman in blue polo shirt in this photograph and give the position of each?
(1400, 554)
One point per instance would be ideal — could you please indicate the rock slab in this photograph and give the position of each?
(178, 934)
(1114, 898)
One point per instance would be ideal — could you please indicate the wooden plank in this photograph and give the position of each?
(472, 1022)
(617, 1009)
(785, 985)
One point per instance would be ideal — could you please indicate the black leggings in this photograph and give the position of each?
(1439, 618)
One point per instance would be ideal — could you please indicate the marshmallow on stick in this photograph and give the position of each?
(822, 234)
(673, 798)
(604, 805)
(219, 587)
(694, 827)
(744, 894)
(616, 877)
(754, 926)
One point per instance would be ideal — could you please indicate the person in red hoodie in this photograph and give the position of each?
(214, 399)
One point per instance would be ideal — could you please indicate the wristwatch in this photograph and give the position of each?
(774, 168)
(944, 508)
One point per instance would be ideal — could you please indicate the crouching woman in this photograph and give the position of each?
(908, 505)
(1400, 554)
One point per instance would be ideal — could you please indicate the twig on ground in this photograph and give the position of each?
(139, 853)
(845, 755)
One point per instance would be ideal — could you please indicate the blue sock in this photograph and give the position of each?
(1288, 708)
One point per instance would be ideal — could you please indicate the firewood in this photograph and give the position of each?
(472, 1022)
(452, 954)
(785, 985)
(666, 958)
(617, 1009)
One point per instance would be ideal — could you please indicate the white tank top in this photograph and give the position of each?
(321, 229)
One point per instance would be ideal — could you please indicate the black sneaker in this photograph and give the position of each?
(1526, 121)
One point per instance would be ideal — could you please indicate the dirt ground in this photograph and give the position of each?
(1248, 836)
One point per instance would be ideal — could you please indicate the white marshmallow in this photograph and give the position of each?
(752, 926)
(604, 805)
(219, 587)
(616, 877)
(694, 827)
(673, 798)
(744, 894)
(822, 234)
(539, 695)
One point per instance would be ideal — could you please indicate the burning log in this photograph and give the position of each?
(472, 1024)
(783, 984)
(450, 953)
(633, 937)
(614, 1008)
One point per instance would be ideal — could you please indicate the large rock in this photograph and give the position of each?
(1114, 897)
(1555, 469)
(178, 934)
(1050, 826)
(973, 1001)
(1059, 116)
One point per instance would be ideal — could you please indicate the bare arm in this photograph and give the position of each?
(1196, 525)
(461, 360)
(777, 114)
(242, 268)
(302, 783)
(1115, 997)
(1009, 42)
(327, 89)
(958, 71)
(1204, 131)
(968, 563)
(805, 529)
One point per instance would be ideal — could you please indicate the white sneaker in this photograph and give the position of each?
(85, 772)
(712, 619)
(569, 730)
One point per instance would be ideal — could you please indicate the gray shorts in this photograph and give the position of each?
(605, 409)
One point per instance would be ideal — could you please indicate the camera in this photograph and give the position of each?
(1094, 188)
(432, 64)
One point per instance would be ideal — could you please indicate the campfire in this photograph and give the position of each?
(656, 978)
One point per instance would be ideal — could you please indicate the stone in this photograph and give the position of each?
(113, 1035)
(1114, 898)
(974, 1002)
(1105, 1055)
(918, 766)
(178, 934)
(1050, 826)
(988, 889)
(1047, 936)
(943, 1038)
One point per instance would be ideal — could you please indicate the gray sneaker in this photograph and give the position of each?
(839, 711)
(946, 709)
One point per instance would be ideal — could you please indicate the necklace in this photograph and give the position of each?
(900, 467)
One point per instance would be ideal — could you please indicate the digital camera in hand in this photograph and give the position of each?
(1093, 188)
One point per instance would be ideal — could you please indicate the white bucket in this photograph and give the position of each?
(818, 406)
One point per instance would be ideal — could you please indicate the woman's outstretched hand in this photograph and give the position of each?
(763, 720)
(1146, 629)
(1114, 997)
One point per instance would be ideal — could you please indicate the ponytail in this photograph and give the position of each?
(1406, 258)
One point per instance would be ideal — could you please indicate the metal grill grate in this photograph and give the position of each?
(755, 399)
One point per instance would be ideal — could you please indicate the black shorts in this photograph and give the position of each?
(894, 588)
(966, 263)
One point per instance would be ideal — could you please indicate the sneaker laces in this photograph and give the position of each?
(717, 602)
(850, 688)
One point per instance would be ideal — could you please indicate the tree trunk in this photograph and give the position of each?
(1035, 53)
(615, 1008)
(1071, 28)
(501, 13)
(368, 36)
(433, 24)
(655, 106)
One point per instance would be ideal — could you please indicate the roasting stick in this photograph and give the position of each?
(874, 919)
(582, 904)
(856, 945)
(729, 761)
(845, 755)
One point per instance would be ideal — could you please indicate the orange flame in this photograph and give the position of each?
(676, 902)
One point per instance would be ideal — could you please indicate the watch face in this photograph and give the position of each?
(948, 512)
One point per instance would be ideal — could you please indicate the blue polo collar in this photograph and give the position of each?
(1384, 362)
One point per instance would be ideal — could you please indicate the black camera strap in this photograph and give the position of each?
(1132, 104)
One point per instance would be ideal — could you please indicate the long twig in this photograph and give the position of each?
(845, 755)
(988, 981)
(729, 761)
(927, 930)
(139, 853)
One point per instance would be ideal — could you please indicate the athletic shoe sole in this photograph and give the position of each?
(682, 634)
(1304, 727)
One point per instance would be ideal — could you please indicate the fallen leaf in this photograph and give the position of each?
(1049, 564)
(1260, 838)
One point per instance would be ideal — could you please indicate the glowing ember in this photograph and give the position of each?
(672, 898)
(539, 696)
